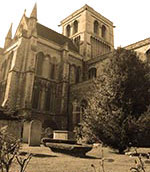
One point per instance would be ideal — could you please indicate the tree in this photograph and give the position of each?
(121, 93)
(9, 147)
(9, 151)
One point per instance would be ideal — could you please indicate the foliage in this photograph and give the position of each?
(124, 83)
(9, 151)
(9, 147)
(139, 130)
(82, 135)
(120, 96)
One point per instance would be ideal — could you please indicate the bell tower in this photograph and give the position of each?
(91, 32)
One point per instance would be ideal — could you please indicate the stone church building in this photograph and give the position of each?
(44, 75)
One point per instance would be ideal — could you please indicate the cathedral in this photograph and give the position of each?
(44, 74)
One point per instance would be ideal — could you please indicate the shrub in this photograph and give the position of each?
(119, 98)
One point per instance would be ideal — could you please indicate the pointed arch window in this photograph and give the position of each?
(35, 97)
(78, 72)
(52, 70)
(68, 29)
(77, 41)
(80, 109)
(75, 26)
(39, 63)
(92, 73)
(78, 115)
(103, 31)
(72, 73)
(48, 99)
(96, 25)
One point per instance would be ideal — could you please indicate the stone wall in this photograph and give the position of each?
(85, 17)
(14, 127)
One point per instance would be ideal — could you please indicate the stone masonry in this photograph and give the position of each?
(44, 74)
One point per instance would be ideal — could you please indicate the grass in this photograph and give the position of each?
(44, 160)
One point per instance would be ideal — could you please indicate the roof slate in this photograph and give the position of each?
(138, 44)
(50, 34)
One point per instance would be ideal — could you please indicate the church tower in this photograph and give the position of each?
(91, 32)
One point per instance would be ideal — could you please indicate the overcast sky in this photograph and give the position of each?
(131, 17)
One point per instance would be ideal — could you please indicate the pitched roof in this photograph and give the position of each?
(50, 34)
(99, 58)
(138, 44)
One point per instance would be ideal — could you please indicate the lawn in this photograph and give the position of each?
(44, 160)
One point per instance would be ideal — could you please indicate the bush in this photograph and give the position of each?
(139, 130)
(119, 98)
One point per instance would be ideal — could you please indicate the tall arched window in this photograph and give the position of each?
(103, 31)
(36, 97)
(92, 73)
(77, 41)
(96, 27)
(72, 74)
(39, 63)
(78, 72)
(52, 71)
(78, 115)
(46, 66)
(68, 28)
(47, 99)
(75, 27)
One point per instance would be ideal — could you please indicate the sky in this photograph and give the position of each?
(130, 17)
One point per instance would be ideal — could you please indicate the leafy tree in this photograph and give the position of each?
(9, 147)
(120, 94)
(9, 151)
(139, 130)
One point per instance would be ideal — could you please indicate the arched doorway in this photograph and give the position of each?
(78, 111)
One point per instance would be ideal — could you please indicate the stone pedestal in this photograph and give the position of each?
(62, 135)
